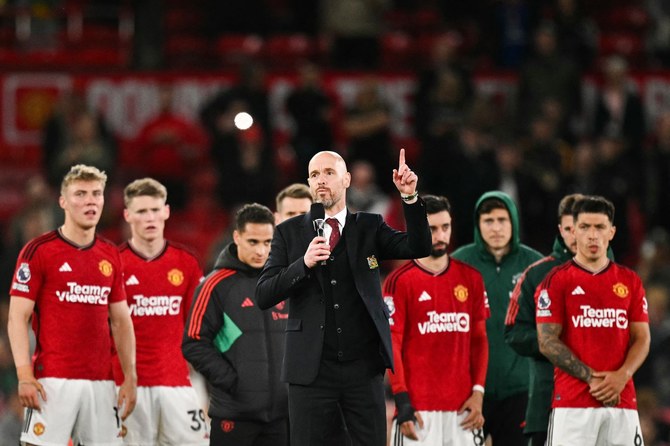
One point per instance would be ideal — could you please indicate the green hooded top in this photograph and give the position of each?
(508, 373)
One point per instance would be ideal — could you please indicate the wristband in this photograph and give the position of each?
(478, 388)
(409, 197)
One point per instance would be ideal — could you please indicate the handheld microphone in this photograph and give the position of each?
(318, 214)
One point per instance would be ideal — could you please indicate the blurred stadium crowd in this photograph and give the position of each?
(552, 136)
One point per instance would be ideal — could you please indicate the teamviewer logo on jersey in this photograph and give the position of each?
(65, 268)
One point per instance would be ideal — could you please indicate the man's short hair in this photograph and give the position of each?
(593, 204)
(295, 190)
(566, 204)
(488, 205)
(253, 213)
(82, 172)
(436, 203)
(144, 187)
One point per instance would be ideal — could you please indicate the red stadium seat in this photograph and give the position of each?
(627, 44)
(187, 51)
(232, 50)
(397, 51)
(288, 50)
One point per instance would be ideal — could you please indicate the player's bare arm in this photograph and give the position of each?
(551, 346)
(30, 390)
(124, 339)
(612, 383)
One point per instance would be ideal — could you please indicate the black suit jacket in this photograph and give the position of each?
(369, 240)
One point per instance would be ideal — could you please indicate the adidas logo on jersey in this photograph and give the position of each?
(578, 290)
(132, 280)
(65, 268)
(247, 303)
(424, 297)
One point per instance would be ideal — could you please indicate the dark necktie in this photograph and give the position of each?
(335, 233)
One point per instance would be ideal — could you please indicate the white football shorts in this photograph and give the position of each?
(80, 409)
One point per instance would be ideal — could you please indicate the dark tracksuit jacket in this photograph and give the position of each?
(521, 335)
(236, 346)
(507, 373)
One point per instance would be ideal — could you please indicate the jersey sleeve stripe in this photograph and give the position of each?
(31, 247)
(390, 282)
(200, 305)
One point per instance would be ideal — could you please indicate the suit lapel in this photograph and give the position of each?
(351, 240)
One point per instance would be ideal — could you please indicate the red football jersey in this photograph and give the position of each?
(160, 291)
(595, 311)
(432, 315)
(72, 287)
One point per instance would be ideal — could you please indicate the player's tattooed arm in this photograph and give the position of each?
(551, 346)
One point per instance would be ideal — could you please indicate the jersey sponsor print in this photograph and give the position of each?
(595, 311)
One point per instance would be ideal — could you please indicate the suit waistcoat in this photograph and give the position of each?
(349, 331)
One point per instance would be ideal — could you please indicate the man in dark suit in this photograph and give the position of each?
(338, 341)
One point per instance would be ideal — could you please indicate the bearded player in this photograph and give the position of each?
(438, 312)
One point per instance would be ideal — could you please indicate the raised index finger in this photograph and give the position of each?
(401, 160)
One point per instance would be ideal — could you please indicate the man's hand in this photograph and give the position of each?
(606, 387)
(404, 179)
(127, 397)
(408, 428)
(29, 388)
(317, 251)
(473, 405)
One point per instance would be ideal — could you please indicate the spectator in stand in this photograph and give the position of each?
(657, 175)
(38, 214)
(576, 33)
(545, 160)
(244, 158)
(72, 121)
(367, 127)
(659, 33)
(655, 372)
(169, 147)
(521, 185)
(353, 28)
(442, 113)
(444, 59)
(498, 254)
(311, 111)
(513, 21)
(364, 194)
(468, 169)
(546, 75)
(617, 180)
(619, 112)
